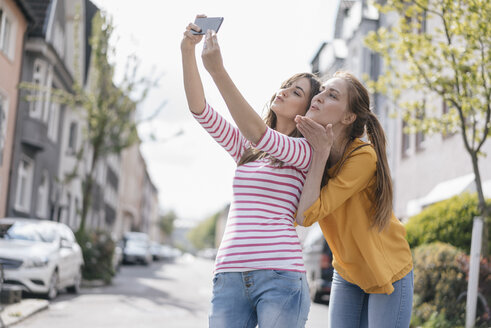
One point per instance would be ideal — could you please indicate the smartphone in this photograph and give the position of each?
(208, 23)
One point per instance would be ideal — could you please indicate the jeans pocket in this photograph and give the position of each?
(288, 279)
(218, 281)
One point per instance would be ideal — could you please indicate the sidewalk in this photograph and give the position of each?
(13, 313)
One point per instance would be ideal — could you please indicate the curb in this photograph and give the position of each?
(14, 313)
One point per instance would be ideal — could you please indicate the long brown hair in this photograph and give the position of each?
(366, 121)
(252, 154)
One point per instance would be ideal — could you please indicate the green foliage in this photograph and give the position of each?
(449, 221)
(166, 223)
(439, 279)
(203, 235)
(98, 251)
(109, 109)
(438, 52)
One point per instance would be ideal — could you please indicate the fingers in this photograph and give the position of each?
(211, 39)
(211, 43)
(193, 27)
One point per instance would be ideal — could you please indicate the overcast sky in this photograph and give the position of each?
(263, 42)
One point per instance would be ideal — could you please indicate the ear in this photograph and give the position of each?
(349, 118)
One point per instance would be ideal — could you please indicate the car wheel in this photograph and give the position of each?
(75, 288)
(53, 286)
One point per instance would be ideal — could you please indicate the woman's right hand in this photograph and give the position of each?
(190, 40)
(319, 137)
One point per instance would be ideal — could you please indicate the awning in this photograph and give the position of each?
(445, 190)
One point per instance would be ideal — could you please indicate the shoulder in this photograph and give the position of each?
(362, 154)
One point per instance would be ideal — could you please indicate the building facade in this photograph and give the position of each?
(37, 145)
(45, 155)
(14, 20)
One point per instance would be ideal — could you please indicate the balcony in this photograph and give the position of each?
(34, 133)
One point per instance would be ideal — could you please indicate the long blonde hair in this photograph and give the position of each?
(253, 154)
(366, 121)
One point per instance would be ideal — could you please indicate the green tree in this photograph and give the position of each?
(203, 235)
(166, 222)
(109, 109)
(451, 61)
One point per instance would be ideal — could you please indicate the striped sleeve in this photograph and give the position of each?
(224, 133)
(293, 151)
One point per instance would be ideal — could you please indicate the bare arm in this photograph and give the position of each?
(321, 140)
(248, 121)
(192, 80)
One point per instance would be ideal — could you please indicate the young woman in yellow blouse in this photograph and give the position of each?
(348, 190)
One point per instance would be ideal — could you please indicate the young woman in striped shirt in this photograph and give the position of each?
(259, 272)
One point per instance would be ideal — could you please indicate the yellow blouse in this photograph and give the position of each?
(364, 256)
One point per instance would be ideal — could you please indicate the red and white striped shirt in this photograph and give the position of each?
(260, 233)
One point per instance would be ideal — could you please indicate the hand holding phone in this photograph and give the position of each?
(207, 23)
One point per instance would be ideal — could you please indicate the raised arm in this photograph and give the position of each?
(192, 80)
(248, 121)
(321, 140)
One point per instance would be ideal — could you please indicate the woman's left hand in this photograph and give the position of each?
(319, 137)
(211, 55)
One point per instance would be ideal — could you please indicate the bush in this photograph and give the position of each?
(98, 251)
(449, 221)
(439, 279)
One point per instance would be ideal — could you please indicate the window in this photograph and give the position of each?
(76, 209)
(39, 78)
(59, 40)
(54, 112)
(448, 128)
(405, 140)
(24, 185)
(3, 124)
(68, 209)
(48, 85)
(5, 32)
(420, 136)
(42, 197)
(422, 22)
(72, 138)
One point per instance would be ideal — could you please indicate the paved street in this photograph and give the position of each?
(170, 295)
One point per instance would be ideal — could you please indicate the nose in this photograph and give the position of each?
(318, 97)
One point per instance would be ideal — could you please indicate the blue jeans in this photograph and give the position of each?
(350, 306)
(268, 298)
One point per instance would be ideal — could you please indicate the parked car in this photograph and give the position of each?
(318, 264)
(40, 256)
(156, 250)
(136, 248)
(118, 255)
(169, 253)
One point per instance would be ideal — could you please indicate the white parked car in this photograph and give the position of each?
(40, 256)
(137, 248)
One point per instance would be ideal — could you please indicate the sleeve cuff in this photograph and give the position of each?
(311, 215)
(204, 113)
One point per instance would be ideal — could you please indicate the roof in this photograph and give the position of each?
(447, 189)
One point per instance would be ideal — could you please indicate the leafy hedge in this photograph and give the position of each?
(440, 286)
(439, 279)
(98, 251)
(449, 221)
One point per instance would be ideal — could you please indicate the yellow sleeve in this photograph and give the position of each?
(355, 175)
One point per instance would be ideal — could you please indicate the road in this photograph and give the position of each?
(174, 295)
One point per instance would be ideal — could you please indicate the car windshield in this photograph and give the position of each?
(27, 231)
(136, 243)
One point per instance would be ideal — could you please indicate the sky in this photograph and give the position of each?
(263, 42)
